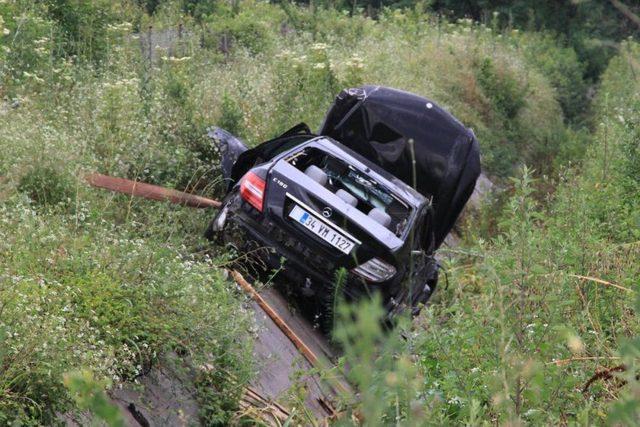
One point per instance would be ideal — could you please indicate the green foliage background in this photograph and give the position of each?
(95, 287)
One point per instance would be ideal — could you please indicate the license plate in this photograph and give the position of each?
(322, 230)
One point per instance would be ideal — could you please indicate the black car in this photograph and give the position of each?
(372, 196)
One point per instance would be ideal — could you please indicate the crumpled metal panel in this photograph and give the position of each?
(413, 139)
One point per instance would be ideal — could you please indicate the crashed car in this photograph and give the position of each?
(373, 194)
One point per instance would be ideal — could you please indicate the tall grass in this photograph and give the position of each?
(142, 110)
(536, 311)
(539, 323)
(106, 284)
(106, 287)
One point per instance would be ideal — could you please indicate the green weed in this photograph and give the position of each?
(107, 283)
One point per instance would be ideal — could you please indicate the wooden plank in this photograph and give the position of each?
(293, 337)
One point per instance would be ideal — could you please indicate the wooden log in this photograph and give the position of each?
(149, 191)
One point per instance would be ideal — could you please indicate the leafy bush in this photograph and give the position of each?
(26, 44)
(45, 185)
(200, 9)
(104, 298)
(539, 309)
(562, 67)
(227, 31)
(503, 90)
(83, 25)
(589, 26)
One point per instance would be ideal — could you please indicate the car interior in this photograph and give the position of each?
(354, 187)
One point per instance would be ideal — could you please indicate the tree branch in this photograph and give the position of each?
(626, 11)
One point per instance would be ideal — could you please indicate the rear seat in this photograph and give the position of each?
(380, 216)
(346, 197)
(317, 174)
(320, 176)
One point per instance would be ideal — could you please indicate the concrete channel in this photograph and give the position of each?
(288, 350)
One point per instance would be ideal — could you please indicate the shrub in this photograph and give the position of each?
(231, 117)
(45, 185)
(562, 67)
(83, 25)
(26, 44)
(200, 9)
(503, 90)
(245, 30)
(543, 305)
(105, 299)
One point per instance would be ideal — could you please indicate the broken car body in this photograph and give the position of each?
(374, 193)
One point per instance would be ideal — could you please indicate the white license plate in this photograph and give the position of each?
(322, 230)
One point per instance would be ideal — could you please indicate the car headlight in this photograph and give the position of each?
(375, 270)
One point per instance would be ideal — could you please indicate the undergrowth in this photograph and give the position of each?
(106, 286)
(539, 323)
(140, 103)
(102, 285)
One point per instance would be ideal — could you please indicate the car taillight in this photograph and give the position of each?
(252, 190)
(375, 270)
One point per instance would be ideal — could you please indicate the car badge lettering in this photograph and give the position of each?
(280, 183)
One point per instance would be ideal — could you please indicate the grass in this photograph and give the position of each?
(533, 314)
(146, 118)
(107, 290)
(537, 310)
(94, 287)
